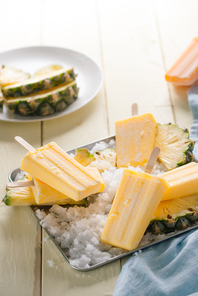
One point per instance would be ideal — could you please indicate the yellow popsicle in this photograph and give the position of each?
(135, 139)
(183, 181)
(135, 203)
(54, 167)
(44, 193)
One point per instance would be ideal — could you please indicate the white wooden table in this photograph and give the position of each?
(135, 42)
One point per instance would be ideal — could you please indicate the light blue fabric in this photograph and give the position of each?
(169, 268)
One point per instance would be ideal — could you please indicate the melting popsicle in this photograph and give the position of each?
(183, 181)
(185, 69)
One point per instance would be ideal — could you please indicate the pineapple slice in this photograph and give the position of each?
(39, 84)
(10, 75)
(176, 147)
(45, 104)
(23, 196)
(174, 214)
(83, 156)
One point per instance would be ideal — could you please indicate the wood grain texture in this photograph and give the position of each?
(20, 234)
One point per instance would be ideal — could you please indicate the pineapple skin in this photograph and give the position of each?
(39, 85)
(46, 104)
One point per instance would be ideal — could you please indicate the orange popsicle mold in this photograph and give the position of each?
(185, 70)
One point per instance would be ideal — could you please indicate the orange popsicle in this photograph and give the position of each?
(185, 70)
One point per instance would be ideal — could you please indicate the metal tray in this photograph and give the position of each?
(12, 176)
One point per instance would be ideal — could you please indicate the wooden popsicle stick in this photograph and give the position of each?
(25, 144)
(20, 184)
(152, 160)
(134, 109)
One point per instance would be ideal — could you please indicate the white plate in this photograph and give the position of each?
(30, 59)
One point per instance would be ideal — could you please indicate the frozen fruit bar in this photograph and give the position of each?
(44, 193)
(183, 181)
(185, 70)
(53, 166)
(135, 139)
(135, 203)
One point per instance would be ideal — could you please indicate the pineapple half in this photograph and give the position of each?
(23, 196)
(175, 214)
(39, 84)
(176, 147)
(45, 104)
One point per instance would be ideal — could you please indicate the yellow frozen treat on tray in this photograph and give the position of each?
(183, 181)
(44, 193)
(54, 167)
(135, 139)
(135, 203)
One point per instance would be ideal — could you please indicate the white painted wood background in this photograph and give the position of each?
(135, 42)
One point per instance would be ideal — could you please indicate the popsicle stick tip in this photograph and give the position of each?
(134, 109)
(24, 143)
(152, 160)
(20, 184)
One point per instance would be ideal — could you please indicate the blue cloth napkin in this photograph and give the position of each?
(169, 268)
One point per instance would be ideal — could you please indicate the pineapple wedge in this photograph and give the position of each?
(39, 84)
(175, 214)
(176, 147)
(45, 104)
(23, 196)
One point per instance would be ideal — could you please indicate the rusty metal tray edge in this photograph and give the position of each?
(169, 236)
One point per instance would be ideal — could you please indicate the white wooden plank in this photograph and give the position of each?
(134, 70)
(20, 24)
(19, 230)
(177, 23)
(77, 31)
